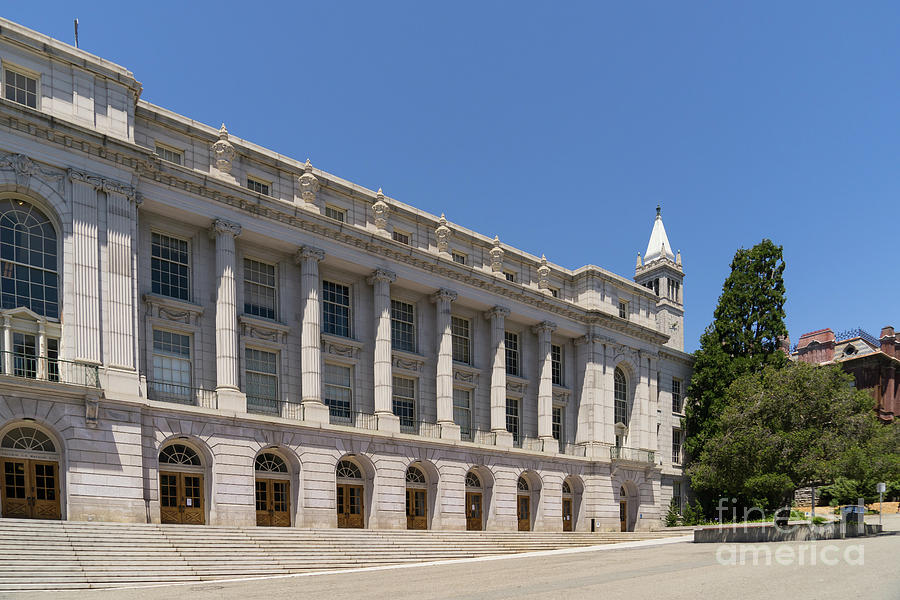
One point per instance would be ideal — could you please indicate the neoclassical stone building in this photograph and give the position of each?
(199, 330)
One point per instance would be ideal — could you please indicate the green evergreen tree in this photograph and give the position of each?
(672, 515)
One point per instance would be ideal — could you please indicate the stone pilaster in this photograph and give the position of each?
(545, 386)
(591, 408)
(7, 345)
(497, 317)
(86, 280)
(228, 394)
(444, 379)
(119, 299)
(311, 335)
(381, 281)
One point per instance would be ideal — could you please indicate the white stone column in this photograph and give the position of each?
(381, 281)
(118, 343)
(86, 279)
(444, 380)
(311, 335)
(7, 345)
(42, 366)
(228, 394)
(592, 401)
(545, 386)
(497, 317)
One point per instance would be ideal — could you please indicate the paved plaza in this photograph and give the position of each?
(654, 569)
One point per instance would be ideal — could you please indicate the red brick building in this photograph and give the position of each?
(874, 362)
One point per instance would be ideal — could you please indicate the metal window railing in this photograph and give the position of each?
(572, 450)
(530, 443)
(29, 366)
(421, 428)
(481, 436)
(165, 391)
(350, 418)
(632, 454)
(263, 405)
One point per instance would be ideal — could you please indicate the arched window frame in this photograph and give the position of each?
(40, 269)
(348, 470)
(620, 396)
(184, 457)
(522, 484)
(473, 481)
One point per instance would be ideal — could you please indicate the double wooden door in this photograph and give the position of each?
(30, 489)
(350, 506)
(523, 506)
(474, 519)
(416, 508)
(181, 498)
(623, 515)
(273, 503)
(567, 514)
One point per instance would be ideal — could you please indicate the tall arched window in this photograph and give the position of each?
(621, 397)
(29, 259)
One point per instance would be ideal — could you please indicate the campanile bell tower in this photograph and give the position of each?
(660, 270)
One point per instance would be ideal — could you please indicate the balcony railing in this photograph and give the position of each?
(532, 444)
(632, 454)
(43, 368)
(481, 436)
(572, 450)
(350, 418)
(421, 428)
(164, 391)
(261, 405)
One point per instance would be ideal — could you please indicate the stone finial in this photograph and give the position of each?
(640, 263)
(543, 274)
(224, 151)
(497, 256)
(678, 258)
(309, 184)
(442, 235)
(380, 209)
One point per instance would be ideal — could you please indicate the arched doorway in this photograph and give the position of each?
(628, 506)
(568, 520)
(416, 498)
(349, 479)
(523, 503)
(181, 487)
(273, 490)
(474, 502)
(31, 477)
(623, 510)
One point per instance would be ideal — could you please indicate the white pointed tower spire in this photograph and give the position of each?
(659, 246)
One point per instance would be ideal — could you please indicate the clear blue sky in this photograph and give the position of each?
(560, 126)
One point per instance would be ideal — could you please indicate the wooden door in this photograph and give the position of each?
(350, 506)
(273, 503)
(524, 513)
(416, 508)
(30, 489)
(474, 520)
(181, 498)
(567, 514)
(623, 515)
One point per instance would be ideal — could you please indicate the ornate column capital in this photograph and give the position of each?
(111, 186)
(547, 327)
(307, 252)
(495, 312)
(382, 275)
(444, 294)
(584, 339)
(222, 226)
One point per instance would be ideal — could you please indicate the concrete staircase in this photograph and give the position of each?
(45, 555)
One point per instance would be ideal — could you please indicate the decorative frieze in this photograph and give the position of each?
(25, 168)
(341, 347)
(263, 329)
(169, 309)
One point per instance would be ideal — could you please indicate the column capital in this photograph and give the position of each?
(497, 312)
(382, 275)
(584, 339)
(444, 294)
(544, 327)
(307, 252)
(223, 226)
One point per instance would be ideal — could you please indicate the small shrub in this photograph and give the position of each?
(672, 516)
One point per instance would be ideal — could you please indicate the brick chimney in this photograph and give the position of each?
(889, 342)
(816, 346)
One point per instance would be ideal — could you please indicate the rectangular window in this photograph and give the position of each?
(403, 326)
(623, 309)
(337, 214)
(676, 494)
(558, 425)
(510, 276)
(261, 380)
(676, 396)
(512, 353)
(24, 355)
(512, 420)
(20, 88)
(462, 412)
(462, 341)
(258, 186)
(172, 365)
(170, 155)
(676, 446)
(556, 366)
(259, 289)
(170, 268)
(399, 236)
(404, 401)
(459, 257)
(336, 309)
(338, 391)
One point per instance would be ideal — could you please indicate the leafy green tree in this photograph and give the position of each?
(743, 338)
(785, 428)
(672, 515)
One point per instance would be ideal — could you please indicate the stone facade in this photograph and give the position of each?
(189, 257)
